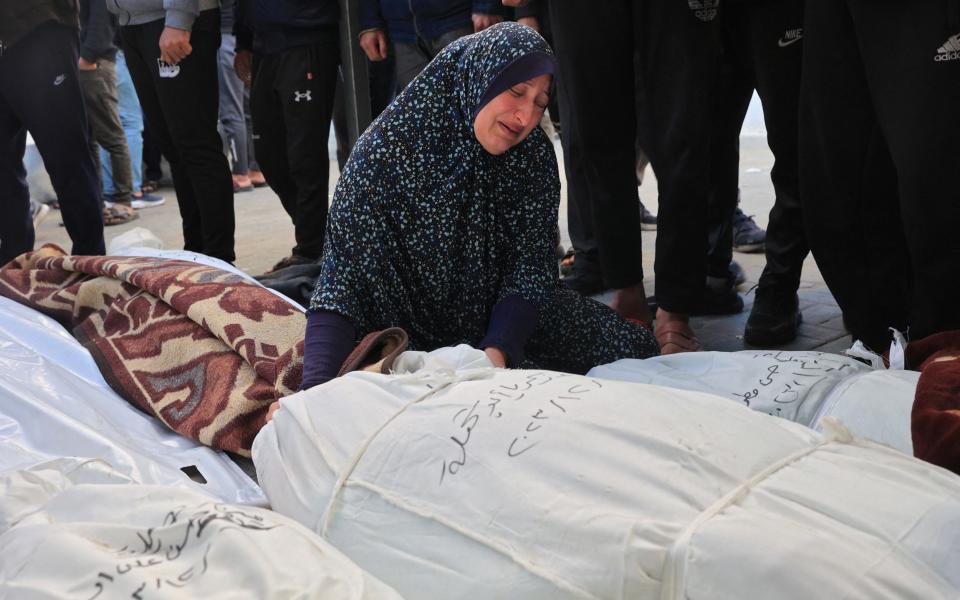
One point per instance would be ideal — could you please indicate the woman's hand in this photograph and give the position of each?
(497, 357)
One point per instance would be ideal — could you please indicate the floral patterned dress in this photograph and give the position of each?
(428, 231)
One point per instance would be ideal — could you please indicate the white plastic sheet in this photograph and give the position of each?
(803, 386)
(72, 528)
(54, 403)
(484, 483)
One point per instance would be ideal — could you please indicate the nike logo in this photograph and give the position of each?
(59, 79)
(790, 36)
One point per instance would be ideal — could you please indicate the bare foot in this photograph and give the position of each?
(631, 303)
(674, 333)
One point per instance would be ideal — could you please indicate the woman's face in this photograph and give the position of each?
(509, 118)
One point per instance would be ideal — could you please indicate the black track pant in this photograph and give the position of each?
(39, 92)
(181, 104)
(671, 52)
(880, 163)
(291, 102)
(763, 41)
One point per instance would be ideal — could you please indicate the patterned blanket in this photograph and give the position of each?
(203, 350)
(935, 422)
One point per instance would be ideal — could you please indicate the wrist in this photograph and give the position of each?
(496, 356)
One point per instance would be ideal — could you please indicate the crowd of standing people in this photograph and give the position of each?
(856, 95)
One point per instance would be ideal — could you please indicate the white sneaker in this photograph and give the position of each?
(39, 211)
(147, 201)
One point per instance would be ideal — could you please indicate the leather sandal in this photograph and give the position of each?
(676, 336)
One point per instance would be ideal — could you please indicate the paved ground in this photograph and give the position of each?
(265, 234)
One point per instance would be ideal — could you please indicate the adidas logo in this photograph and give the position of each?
(950, 50)
(705, 10)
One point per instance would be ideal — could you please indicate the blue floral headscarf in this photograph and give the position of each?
(427, 230)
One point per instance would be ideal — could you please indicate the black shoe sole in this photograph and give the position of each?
(584, 286)
(733, 306)
(772, 337)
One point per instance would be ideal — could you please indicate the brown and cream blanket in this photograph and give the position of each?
(202, 349)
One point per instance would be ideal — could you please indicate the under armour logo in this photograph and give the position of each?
(59, 79)
(298, 96)
(705, 10)
(167, 70)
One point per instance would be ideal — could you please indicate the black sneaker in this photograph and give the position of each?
(747, 235)
(290, 261)
(718, 300)
(648, 220)
(773, 320)
(584, 281)
(737, 275)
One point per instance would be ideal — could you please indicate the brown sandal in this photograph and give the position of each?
(675, 337)
(118, 214)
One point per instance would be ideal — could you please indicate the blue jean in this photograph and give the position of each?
(132, 120)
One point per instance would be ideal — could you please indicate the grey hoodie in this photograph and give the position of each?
(179, 14)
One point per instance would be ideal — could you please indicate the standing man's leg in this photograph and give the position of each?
(914, 85)
(846, 172)
(307, 105)
(99, 88)
(595, 49)
(774, 32)
(679, 55)
(38, 82)
(131, 118)
(410, 59)
(137, 43)
(16, 226)
(733, 98)
(152, 158)
(233, 125)
(270, 131)
(186, 97)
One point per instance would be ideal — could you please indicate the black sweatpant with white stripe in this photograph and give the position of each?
(880, 161)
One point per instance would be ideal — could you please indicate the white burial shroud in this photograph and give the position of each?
(76, 528)
(455, 482)
(802, 386)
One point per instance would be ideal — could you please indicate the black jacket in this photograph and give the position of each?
(269, 26)
(405, 20)
(20, 17)
(98, 28)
